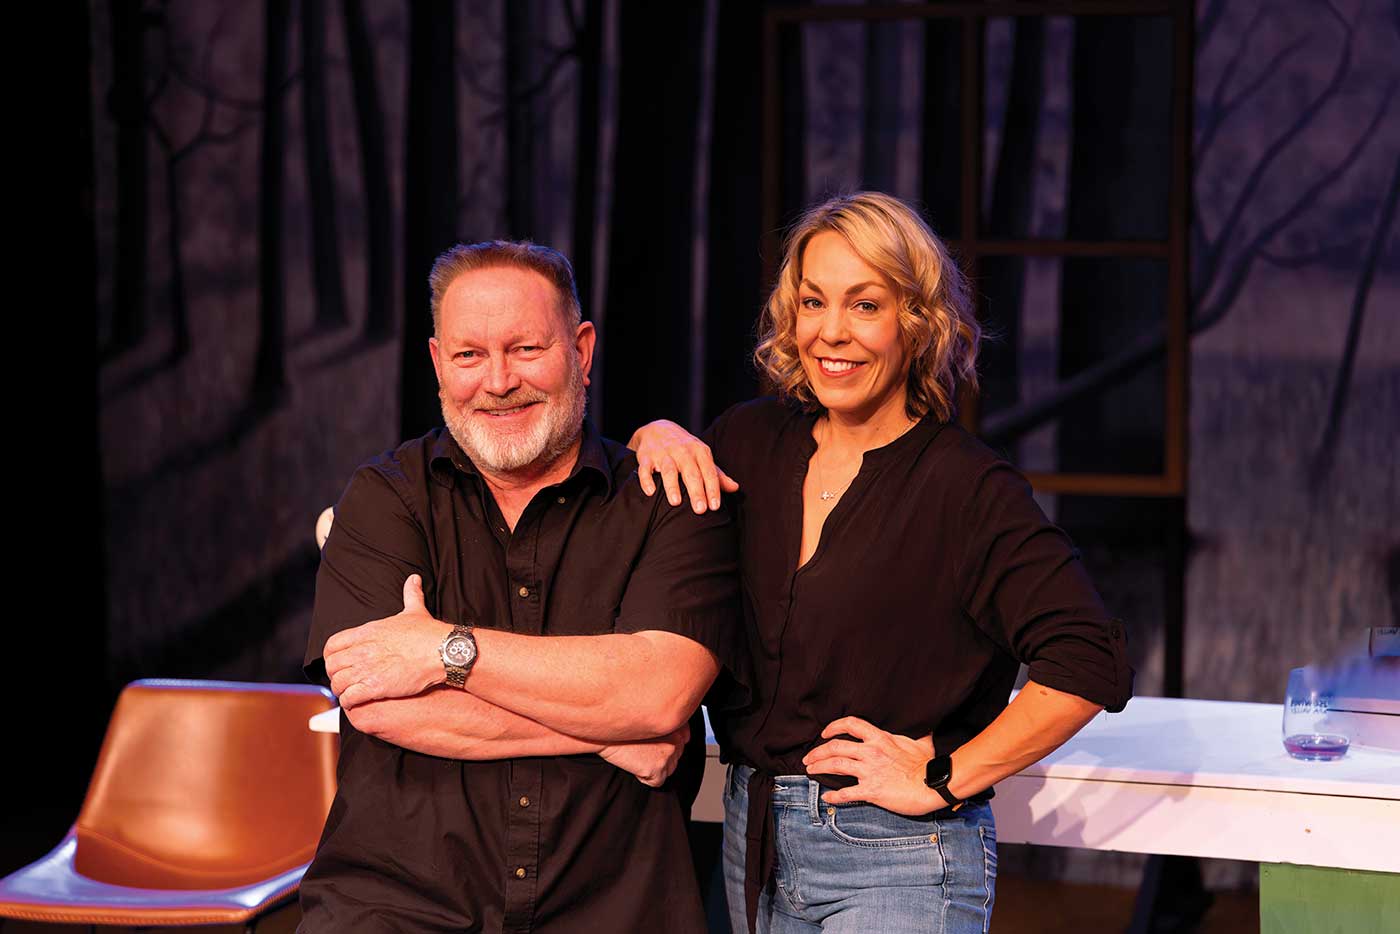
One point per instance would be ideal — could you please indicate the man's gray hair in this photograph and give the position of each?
(493, 254)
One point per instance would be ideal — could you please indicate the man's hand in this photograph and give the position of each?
(652, 761)
(393, 657)
(889, 769)
(667, 448)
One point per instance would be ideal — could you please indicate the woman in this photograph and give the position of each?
(895, 574)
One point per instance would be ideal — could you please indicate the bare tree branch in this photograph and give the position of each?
(1272, 229)
(530, 91)
(1322, 460)
(1009, 424)
(1326, 254)
(1217, 96)
(1221, 110)
(158, 89)
(221, 137)
(1265, 73)
(469, 68)
(1215, 252)
(201, 83)
(1205, 26)
(206, 90)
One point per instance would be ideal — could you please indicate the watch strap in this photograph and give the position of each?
(937, 774)
(457, 674)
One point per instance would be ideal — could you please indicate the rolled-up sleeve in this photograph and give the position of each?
(687, 582)
(375, 543)
(1023, 584)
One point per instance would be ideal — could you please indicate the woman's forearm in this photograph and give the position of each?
(1036, 723)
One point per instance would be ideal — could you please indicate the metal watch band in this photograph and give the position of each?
(457, 674)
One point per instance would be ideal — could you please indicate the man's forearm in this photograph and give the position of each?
(609, 687)
(1032, 726)
(613, 687)
(451, 723)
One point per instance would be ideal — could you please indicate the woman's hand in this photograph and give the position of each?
(652, 761)
(667, 448)
(889, 769)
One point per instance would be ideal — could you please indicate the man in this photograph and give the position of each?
(517, 635)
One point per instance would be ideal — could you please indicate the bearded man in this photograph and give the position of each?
(518, 637)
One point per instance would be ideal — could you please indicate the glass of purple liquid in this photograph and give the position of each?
(1309, 731)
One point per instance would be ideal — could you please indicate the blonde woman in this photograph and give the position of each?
(896, 572)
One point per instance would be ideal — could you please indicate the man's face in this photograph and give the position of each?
(511, 372)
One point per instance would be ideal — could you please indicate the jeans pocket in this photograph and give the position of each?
(989, 852)
(871, 826)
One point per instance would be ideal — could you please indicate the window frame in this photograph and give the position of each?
(972, 245)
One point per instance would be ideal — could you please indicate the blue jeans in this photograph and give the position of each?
(857, 868)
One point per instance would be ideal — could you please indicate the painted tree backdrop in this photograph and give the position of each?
(272, 181)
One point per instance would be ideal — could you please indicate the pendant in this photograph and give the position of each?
(827, 494)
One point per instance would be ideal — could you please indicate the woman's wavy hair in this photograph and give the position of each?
(939, 331)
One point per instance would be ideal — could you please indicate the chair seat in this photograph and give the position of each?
(204, 807)
(50, 889)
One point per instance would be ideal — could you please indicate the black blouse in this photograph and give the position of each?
(935, 576)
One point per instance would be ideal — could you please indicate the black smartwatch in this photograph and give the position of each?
(937, 774)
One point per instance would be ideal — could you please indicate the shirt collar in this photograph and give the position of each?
(923, 431)
(446, 454)
(919, 434)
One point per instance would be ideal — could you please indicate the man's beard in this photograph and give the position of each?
(545, 441)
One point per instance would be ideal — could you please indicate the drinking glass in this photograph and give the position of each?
(1308, 730)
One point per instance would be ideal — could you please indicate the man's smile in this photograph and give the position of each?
(505, 412)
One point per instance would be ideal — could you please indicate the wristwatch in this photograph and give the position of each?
(937, 774)
(458, 652)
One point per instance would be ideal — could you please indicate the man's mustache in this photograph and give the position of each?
(510, 402)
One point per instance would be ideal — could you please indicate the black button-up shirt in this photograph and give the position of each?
(936, 575)
(551, 845)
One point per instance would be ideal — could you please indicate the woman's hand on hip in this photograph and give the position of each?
(668, 449)
(888, 768)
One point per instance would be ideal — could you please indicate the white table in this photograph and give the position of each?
(1211, 778)
(1206, 778)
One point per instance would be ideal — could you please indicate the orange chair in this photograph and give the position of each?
(205, 807)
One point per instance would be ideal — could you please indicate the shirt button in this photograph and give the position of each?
(524, 801)
(520, 873)
(524, 591)
(561, 500)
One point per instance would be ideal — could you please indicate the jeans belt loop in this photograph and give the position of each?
(814, 801)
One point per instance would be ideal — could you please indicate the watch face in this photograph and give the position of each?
(458, 651)
(938, 771)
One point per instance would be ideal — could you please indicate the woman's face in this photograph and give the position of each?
(848, 336)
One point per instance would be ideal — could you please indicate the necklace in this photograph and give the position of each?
(831, 494)
(821, 484)
(827, 494)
